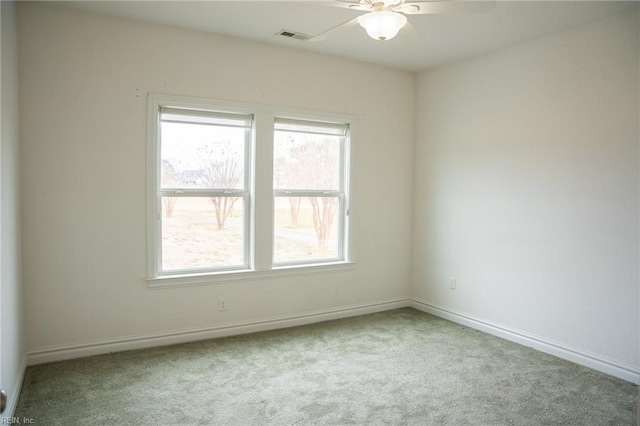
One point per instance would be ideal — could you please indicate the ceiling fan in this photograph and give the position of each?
(385, 18)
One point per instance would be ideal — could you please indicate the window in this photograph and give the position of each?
(237, 192)
(309, 191)
(202, 190)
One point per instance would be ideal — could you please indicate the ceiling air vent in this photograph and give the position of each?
(293, 34)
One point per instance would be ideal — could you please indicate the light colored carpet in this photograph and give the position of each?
(401, 367)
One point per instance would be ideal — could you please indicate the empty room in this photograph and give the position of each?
(320, 212)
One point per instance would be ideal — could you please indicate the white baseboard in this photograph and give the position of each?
(584, 358)
(64, 352)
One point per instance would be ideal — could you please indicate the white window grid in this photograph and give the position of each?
(258, 252)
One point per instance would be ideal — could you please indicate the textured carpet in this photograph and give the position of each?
(401, 367)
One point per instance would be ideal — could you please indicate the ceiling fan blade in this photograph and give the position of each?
(323, 35)
(411, 34)
(446, 7)
(350, 4)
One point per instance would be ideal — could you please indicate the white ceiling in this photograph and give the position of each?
(447, 38)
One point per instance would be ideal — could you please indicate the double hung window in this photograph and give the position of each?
(239, 191)
(203, 198)
(309, 191)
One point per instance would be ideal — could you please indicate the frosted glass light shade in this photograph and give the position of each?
(382, 25)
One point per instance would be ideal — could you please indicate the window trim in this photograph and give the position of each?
(258, 265)
(157, 107)
(244, 193)
(342, 193)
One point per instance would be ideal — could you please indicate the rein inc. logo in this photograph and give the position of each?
(17, 421)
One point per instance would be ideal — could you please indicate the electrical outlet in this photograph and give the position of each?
(222, 304)
(453, 282)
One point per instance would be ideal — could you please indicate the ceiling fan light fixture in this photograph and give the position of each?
(382, 25)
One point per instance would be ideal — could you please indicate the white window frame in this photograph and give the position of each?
(259, 225)
(244, 193)
(341, 193)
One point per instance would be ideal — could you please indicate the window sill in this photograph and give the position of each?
(172, 281)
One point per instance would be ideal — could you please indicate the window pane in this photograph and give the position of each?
(306, 161)
(202, 156)
(202, 232)
(306, 228)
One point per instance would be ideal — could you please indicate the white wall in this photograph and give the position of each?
(12, 355)
(526, 189)
(84, 81)
(526, 182)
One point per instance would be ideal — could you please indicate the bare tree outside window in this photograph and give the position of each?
(289, 172)
(221, 170)
(309, 162)
(313, 165)
(203, 159)
(323, 215)
(294, 210)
